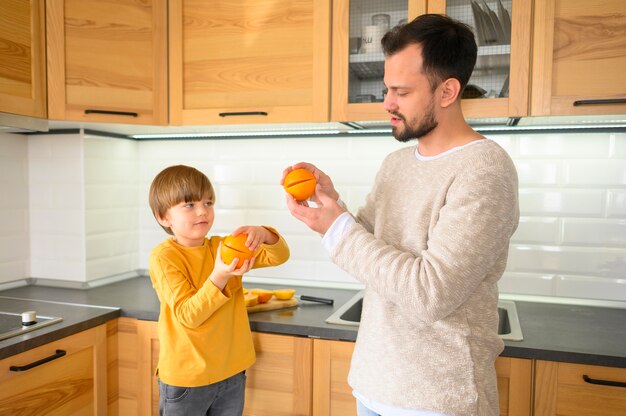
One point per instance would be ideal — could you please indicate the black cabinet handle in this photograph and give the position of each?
(244, 113)
(597, 102)
(110, 112)
(57, 354)
(603, 382)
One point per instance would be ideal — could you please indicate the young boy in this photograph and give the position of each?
(204, 333)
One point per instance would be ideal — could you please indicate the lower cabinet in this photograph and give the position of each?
(64, 377)
(575, 389)
(333, 397)
(301, 376)
(279, 383)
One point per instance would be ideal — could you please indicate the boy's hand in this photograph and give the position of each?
(222, 272)
(256, 236)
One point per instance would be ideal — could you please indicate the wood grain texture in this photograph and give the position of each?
(279, 383)
(74, 384)
(273, 304)
(22, 58)
(560, 390)
(108, 55)
(332, 396)
(579, 53)
(267, 56)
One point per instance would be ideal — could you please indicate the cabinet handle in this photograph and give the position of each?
(603, 382)
(57, 354)
(110, 112)
(244, 113)
(596, 102)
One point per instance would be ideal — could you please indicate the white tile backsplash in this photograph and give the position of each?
(86, 213)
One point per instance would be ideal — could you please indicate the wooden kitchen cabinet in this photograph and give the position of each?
(502, 70)
(576, 389)
(67, 377)
(332, 396)
(107, 61)
(579, 57)
(279, 383)
(245, 61)
(22, 57)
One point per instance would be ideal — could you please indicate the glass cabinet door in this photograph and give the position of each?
(500, 82)
(358, 61)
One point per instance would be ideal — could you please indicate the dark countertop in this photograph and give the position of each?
(76, 318)
(555, 332)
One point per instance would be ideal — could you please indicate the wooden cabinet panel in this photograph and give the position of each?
(22, 57)
(561, 389)
(234, 61)
(332, 396)
(279, 383)
(579, 53)
(514, 386)
(107, 61)
(72, 384)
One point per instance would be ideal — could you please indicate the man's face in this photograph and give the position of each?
(410, 99)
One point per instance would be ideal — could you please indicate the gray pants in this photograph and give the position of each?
(224, 398)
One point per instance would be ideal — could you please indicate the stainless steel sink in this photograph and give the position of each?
(508, 325)
(11, 324)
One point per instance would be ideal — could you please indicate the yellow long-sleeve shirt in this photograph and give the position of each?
(204, 333)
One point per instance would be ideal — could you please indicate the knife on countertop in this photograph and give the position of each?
(315, 299)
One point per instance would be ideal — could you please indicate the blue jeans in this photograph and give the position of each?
(224, 398)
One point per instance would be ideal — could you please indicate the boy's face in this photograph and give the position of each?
(190, 221)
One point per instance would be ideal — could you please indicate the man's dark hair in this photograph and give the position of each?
(448, 47)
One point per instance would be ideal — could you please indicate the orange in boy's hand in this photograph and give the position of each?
(235, 247)
(300, 183)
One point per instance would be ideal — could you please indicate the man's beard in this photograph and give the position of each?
(427, 125)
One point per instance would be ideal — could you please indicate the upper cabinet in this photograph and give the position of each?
(22, 58)
(500, 82)
(249, 61)
(579, 57)
(107, 61)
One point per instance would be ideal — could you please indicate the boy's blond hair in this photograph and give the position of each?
(177, 184)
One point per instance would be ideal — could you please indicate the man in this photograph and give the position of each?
(431, 241)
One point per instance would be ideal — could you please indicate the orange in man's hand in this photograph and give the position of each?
(236, 247)
(300, 183)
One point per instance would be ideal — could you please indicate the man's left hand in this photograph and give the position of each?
(318, 218)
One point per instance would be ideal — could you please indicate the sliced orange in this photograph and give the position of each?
(251, 299)
(235, 247)
(284, 294)
(264, 295)
(300, 183)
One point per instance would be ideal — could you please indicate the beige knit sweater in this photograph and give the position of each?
(430, 244)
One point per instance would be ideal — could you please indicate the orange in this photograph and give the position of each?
(250, 299)
(284, 294)
(300, 183)
(264, 295)
(235, 247)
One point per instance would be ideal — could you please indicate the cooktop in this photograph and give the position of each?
(11, 324)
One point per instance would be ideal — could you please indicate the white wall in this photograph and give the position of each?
(14, 239)
(111, 207)
(571, 240)
(56, 207)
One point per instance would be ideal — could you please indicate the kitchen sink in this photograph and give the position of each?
(11, 324)
(508, 325)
